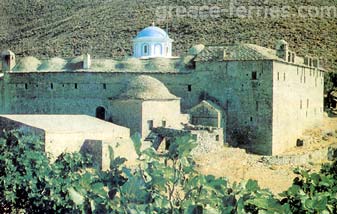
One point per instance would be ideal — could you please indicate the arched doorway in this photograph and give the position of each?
(100, 113)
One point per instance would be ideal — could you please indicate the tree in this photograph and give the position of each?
(161, 183)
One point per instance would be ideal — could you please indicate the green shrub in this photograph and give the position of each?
(313, 192)
(161, 183)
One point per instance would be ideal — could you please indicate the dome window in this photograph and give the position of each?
(157, 50)
(146, 50)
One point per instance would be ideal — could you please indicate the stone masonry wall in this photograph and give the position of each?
(297, 103)
(207, 140)
(228, 84)
(76, 92)
(244, 90)
(162, 111)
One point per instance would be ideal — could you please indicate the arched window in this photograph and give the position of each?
(158, 50)
(145, 49)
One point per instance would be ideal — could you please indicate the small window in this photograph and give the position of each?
(146, 49)
(163, 123)
(254, 75)
(26, 86)
(251, 119)
(278, 75)
(189, 87)
(75, 85)
(300, 104)
(104, 86)
(150, 124)
(284, 76)
(299, 143)
(51, 86)
(217, 137)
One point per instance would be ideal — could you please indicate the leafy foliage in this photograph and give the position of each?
(161, 183)
(313, 192)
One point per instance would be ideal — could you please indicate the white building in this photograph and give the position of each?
(146, 103)
(152, 42)
(74, 133)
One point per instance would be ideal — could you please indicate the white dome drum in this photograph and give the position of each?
(152, 42)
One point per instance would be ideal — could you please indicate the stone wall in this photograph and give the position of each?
(56, 142)
(162, 114)
(206, 114)
(127, 113)
(136, 114)
(320, 155)
(297, 103)
(7, 125)
(77, 92)
(207, 140)
(82, 92)
(244, 90)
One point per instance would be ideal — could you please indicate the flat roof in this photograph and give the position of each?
(65, 123)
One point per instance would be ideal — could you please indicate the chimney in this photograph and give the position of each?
(282, 49)
(8, 60)
(86, 61)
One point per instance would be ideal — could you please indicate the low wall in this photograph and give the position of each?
(321, 155)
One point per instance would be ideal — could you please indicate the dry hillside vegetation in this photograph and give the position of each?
(105, 28)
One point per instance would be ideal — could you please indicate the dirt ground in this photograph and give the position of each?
(237, 165)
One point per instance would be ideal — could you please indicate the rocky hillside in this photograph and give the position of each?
(105, 28)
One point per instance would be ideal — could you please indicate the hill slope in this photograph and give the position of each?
(105, 28)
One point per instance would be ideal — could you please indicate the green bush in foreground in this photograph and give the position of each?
(161, 183)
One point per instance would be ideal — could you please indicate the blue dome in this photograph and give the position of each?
(152, 32)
